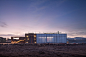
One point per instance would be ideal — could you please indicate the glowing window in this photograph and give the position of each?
(26, 36)
(26, 42)
(42, 37)
(34, 42)
(15, 38)
(34, 39)
(34, 35)
(49, 39)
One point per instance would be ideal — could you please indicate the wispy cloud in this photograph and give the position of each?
(3, 24)
(7, 35)
(10, 35)
(36, 6)
(77, 33)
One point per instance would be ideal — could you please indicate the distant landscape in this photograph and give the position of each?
(76, 40)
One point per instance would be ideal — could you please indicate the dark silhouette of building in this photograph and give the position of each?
(2, 39)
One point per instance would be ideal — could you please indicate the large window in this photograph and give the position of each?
(42, 39)
(50, 39)
(34, 35)
(27, 38)
(16, 38)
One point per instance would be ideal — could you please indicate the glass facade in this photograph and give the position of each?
(51, 38)
(41, 38)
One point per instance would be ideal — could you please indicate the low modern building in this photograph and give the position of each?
(30, 38)
(18, 40)
(41, 38)
(46, 38)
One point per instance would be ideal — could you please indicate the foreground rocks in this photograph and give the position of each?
(22, 50)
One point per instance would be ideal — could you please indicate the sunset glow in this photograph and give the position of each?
(18, 17)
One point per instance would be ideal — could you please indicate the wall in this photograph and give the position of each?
(51, 38)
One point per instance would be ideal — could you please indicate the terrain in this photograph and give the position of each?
(42, 50)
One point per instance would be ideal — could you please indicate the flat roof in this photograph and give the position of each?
(45, 33)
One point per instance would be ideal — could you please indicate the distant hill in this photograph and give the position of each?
(76, 40)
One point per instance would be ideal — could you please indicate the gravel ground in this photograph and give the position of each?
(21, 50)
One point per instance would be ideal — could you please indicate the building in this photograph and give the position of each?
(30, 38)
(17, 40)
(2, 39)
(41, 38)
(46, 38)
(8, 40)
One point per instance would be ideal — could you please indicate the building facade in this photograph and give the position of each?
(51, 38)
(18, 40)
(30, 38)
(40, 38)
(46, 38)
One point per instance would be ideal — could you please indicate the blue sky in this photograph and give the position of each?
(18, 17)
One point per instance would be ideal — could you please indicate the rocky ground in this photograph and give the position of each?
(22, 50)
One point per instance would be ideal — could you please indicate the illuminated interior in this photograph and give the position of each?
(34, 42)
(34, 39)
(34, 35)
(50, 39)
(26, 42)
(26, 36)
(16, 38)
(17, 41)
(42, 37)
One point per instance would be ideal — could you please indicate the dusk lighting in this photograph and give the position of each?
(42, 28)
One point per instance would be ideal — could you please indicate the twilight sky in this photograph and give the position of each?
(18, 17)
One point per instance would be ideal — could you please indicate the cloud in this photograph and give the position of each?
(10, 35)
(3, 24)
(7, 35)
(81, 33)
(37, 5)
(77, 33)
